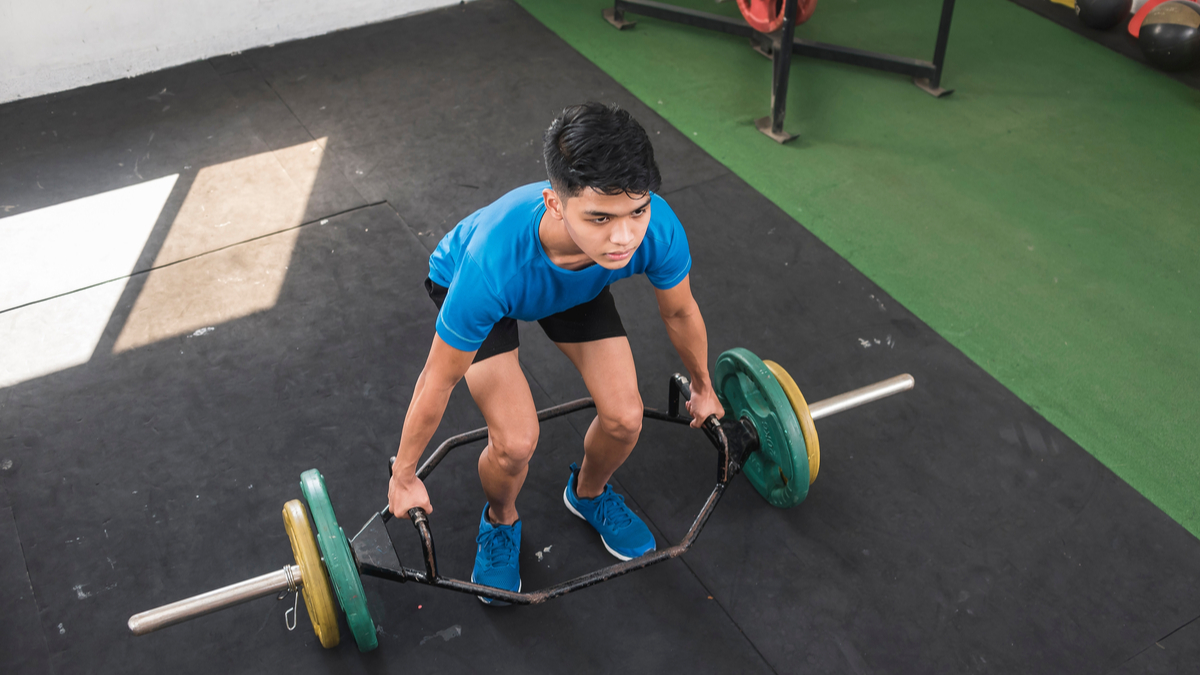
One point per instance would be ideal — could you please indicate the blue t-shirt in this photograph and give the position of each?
(495, 267)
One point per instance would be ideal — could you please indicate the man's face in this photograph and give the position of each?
(607, 228)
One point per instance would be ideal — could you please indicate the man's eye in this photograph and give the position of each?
(639, 213)
(600, 221)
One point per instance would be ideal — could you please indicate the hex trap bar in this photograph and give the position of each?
(374, 550)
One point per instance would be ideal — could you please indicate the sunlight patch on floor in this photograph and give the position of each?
(228, 204)
(47, 323)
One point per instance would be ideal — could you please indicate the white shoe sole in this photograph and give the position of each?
(618, 556)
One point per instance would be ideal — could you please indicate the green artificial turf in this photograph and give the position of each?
(1045, 218)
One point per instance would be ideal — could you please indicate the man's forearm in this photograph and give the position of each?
(688, 334)
(422, 420)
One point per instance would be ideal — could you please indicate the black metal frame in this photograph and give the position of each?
(375, 552)
(926, 75)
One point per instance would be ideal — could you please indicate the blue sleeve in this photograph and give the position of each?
(672, 260)
(471, 308)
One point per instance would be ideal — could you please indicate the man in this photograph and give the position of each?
(547, 252)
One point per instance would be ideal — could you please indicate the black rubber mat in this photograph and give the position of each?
(951, 528)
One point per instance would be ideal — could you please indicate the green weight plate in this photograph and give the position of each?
(746, 388)
(338, 561)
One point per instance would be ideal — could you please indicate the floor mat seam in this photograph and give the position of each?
(700, 183)
(404, 221)
(259, 73)
(33, 591)
(189, 258)
(1156, 642)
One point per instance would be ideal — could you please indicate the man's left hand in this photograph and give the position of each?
(703, 403)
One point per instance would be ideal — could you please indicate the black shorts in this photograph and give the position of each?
(596, 319)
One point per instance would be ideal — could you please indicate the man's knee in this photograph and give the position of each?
(624, 423)
(512, 449)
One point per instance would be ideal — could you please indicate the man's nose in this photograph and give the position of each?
(622, 233)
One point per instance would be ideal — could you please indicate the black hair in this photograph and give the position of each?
(599, 147)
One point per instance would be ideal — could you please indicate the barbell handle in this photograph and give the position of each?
(681, 385)
(207, 603)
(684, 385)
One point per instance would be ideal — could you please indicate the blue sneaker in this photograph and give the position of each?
(623, 533)
(496, 557)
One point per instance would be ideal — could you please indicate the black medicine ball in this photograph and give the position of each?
(1170, 36)
(1102, 14)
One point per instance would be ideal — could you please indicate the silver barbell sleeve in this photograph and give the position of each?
(861, 396)
(288, 578)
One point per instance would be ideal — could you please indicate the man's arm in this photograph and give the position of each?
(443, 369)
(686, 329)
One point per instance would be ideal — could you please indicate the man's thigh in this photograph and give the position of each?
(501, 391)
(608, 372)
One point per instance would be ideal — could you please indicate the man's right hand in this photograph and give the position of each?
(407, 492)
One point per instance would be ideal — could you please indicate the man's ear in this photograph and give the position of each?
(553, 204)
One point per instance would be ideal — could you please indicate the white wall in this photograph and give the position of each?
(55, 45)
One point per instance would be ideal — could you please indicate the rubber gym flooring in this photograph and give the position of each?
(276, 322)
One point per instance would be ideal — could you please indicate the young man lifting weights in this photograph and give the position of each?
(547, 252)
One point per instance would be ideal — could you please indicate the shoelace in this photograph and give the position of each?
(500, 546)
(612, 509)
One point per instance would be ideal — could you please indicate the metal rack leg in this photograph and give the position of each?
(933, 84)
(616, 17)
(773, 126)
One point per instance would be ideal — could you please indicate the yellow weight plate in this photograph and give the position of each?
(317, 591)
(802, 414)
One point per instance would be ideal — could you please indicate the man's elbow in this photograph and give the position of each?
(681, 313)
(439, 380)
(444, 381)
